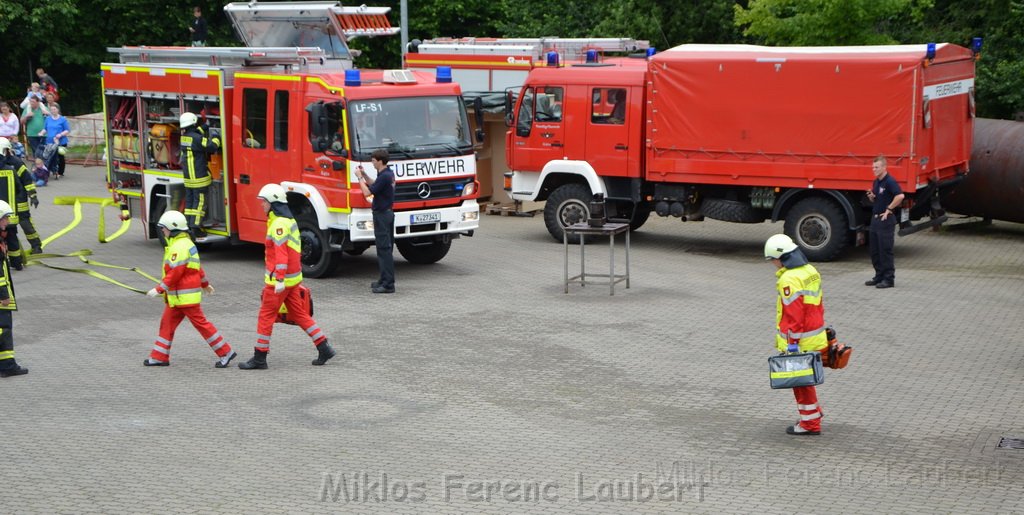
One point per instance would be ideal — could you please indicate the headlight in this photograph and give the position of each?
(364, 225)
(469, 189)
(470, 216)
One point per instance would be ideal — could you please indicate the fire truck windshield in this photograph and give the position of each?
(415, 127)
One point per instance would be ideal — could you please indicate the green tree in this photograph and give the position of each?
(830, 22)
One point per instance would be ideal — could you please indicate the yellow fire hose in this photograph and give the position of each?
(37, 259)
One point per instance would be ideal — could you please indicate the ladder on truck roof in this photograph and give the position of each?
(568, 48)
(220, 56)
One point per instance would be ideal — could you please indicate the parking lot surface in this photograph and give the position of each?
(480, 387)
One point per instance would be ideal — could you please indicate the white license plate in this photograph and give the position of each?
(425, 218)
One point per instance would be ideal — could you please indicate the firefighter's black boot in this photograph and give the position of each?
(258, 361)
(325, 353)
(18, 370)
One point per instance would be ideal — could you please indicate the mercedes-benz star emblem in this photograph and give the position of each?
(423, 190)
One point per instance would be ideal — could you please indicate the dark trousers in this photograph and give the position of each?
(7, 349)
(882, 239)
(14, 254)
(59, 161)
(25, 221)
(384, 240)
(195, 206)
(36, 143)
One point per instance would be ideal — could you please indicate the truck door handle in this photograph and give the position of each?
(555, 144)
(243, 178)
(620, 146)
(309, 169)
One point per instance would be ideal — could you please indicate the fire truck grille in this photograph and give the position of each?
(429, 190)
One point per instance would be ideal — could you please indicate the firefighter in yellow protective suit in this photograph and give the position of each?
(10, 190)
(26, 195)
(8, 366)
(196, 148)
(800, 318)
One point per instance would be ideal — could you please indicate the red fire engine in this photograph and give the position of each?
(746, 134)
(290, 109)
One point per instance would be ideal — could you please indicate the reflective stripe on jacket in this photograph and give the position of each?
(184, 279)
(195, 151)
(9, 188)
(6, 287)
(283, 256)
(799, 310)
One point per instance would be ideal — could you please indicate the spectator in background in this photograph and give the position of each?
(47, 83)
(56, 132)
(33, 116)
(198, 28)
(33, 91)
(49, 98)
(9, 125)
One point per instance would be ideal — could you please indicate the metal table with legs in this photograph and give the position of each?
(583, 230)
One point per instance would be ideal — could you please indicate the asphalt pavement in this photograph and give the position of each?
(480, 387)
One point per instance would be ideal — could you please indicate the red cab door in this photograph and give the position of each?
(538, 135)
(613, 118)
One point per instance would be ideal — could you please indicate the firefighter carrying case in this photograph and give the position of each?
(305, 296)
(795, 370)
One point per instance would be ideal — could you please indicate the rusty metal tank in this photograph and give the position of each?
(995, 187)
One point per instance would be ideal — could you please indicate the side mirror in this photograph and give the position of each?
(317, 126)
(478, 112)
(508, 108)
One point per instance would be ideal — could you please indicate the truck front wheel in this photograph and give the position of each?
(567, 205)
(317, 258)
(819, 227)
(423, 253)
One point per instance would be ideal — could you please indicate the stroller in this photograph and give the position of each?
(49, 156)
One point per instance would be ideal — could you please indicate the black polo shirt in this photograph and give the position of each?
(885, 189)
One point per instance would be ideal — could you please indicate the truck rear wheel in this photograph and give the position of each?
(423, 253)
(819, 227)
(317, 258)
(567, 205)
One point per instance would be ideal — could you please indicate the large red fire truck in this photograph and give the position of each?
(290, 109)
(746, 134)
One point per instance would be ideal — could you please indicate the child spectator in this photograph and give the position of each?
(47, 83)
(40, 173)
(33, 91)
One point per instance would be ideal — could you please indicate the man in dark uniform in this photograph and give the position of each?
(196, 147)
(383, 190)
(26, 195)
(886, 195)
(8, 366)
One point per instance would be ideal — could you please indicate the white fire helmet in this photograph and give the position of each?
(777, 246)
(187, 120)
(5, 209)
(173, 221)
(273, 193)
(5, 145)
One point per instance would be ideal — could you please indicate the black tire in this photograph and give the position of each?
(731, 211)
(423, 253)
(568, 204)
(640, 216)
(317, 259)
(819, 227)
(155, 211)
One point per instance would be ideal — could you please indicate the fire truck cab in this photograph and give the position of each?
(288, 108)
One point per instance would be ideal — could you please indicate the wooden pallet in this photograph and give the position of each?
(514, 209)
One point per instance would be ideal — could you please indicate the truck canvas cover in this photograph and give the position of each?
(798, 109)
